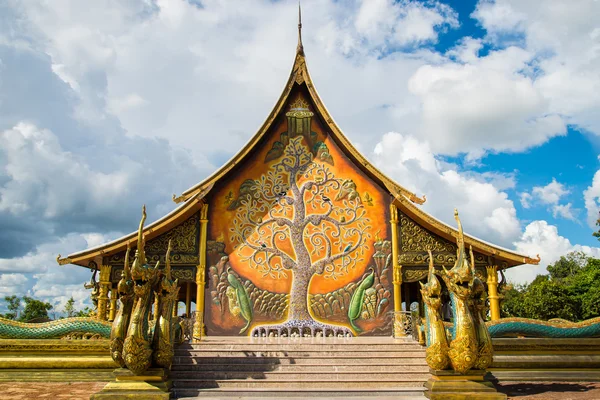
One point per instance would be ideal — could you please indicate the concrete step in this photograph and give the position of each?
(360, 353)
(403, 393)
(318, 368)
(420, 367)
(292, 384)
(306, 346)
(365, 376)
(345, 360)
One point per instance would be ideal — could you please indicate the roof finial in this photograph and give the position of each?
(300, 48)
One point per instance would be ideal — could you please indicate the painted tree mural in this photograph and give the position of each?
(300, 218)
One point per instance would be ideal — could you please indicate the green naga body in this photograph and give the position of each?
(358, 297)
(120, 324)
(437, 343)
(243, 300)
(80, 326)
(164, 333)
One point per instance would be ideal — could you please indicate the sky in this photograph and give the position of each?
(105, 105)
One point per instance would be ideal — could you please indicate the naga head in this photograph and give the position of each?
(460, 278)
(125, 285)
(432, 290)
(167, 287)
(142, 274)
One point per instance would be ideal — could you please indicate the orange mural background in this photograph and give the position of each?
(221, 219)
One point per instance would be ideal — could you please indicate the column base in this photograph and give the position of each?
(450, 385)
(152, 385)
(399, 324)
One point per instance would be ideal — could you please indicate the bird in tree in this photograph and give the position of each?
(302, 233)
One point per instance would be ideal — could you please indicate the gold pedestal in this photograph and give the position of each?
(450, 385)
(152, 385)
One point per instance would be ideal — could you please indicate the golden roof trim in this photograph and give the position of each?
(154, 229)
(450, 233)
(299, 75)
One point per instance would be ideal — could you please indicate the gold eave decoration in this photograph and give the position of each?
(513, 259)
(190, 206)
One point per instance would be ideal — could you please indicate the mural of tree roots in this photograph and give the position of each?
(297, 221)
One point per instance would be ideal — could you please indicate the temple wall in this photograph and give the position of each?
(260, 239)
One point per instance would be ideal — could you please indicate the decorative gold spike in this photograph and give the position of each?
(168, 261)
(300, 47)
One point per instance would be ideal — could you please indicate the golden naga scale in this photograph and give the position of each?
(471, 344)
(133, 344)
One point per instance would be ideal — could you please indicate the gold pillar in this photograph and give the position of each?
(176, 308)
(103, 295)
(492, 282)
(199, 330)
(397, 275)
(113, 304)
(188, 299)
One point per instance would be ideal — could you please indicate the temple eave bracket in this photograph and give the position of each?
(63, 261)
(532, 261)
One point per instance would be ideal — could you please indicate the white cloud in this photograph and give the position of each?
(564, 41)
(551, 193)
(485, 210)
(541, 238)
(403, 22)
(526, 199)
(12, 284)
(591, 198)
(564, 211)
(37, 274)
(498, 16)
(483, 105)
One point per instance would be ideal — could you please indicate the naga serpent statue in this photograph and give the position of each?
(164, 332)
(471, 345)
(137, 351)
(437, 343)
(463, 348)
(485, 348)
(121, 321)
(133, 345)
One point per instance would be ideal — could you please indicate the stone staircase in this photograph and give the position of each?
(330, 368)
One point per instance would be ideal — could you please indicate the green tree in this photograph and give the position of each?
(547, 299)
(70, 308)
(86, 312)
(568, 266)
(34, 309)
(570, 291)
(512, 300)
(585, 288)
(597, 233)
(13, 305)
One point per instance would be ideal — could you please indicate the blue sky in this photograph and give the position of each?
(487, 106)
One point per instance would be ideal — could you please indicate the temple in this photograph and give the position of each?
(297, 231)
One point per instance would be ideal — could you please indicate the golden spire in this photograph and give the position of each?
(299, 48)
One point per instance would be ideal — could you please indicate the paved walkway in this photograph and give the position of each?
(49, 390)
(514, 390)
